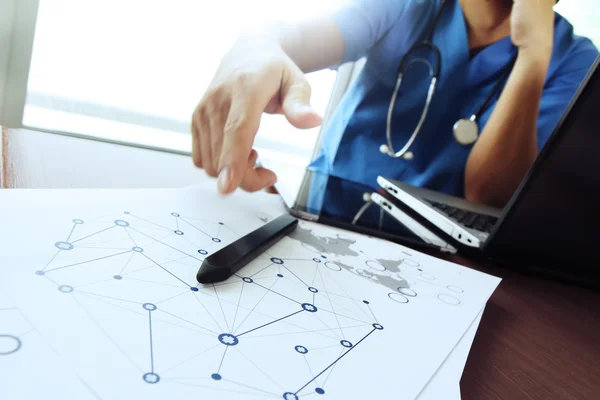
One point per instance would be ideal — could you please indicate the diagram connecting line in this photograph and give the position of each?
(279, 294)
(297, 277)
(88, 261)
(151, 341)
(167, 271)
(130, 237)
(169, 246)
(52, 259)
(335, 362)
(272, 322)
(222, 359)
(150, 222)
(196, 228)
(261, 270)
(331, 304)
(221, 307)
(369, 307)
(71, 233)
(93, 234)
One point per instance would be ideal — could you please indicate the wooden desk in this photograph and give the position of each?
(538, 339)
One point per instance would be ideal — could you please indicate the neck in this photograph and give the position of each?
(487, 20)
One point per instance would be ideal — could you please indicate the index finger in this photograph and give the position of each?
(250, 98)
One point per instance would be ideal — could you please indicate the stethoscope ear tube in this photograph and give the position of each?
(429, 45)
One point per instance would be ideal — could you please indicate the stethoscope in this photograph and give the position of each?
(465, 130)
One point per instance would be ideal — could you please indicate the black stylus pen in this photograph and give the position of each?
(224, 263)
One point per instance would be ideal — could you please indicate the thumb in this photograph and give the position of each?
(295, 103)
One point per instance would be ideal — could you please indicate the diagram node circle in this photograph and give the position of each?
(9, 344)
(309, 307)
(178, 233)
(317, 260)
(449, 299)
(66, 246)
(117, 277)
(78, 221)
(323, 257)
(410, 263)
(313, 290)
(149, 307)
(40, 273)
(126, 212)
(301, 349)
(247, 280)
(375, 266)
(194, 289)
(228, 339)
(364, 273)
(427, 276)
(407, 292)
(333, 267)
(346, 343)
(151, 378)
(366, 302)
(137, 249)
(175, 214)
(221, 223)
(216, 377)
(398, 297)
(121, 223)
(216, 240)
(290, 396)
(203, 252)
(319, 391)
(276, 260)
(455, 289)
(65, 288)
(379, 327)
(280, 275)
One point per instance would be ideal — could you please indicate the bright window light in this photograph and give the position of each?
(583, 15)
(134, 70)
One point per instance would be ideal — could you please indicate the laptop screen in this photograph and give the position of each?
(345, 204)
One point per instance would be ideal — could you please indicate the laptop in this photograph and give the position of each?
(313, 196)
(552, 222)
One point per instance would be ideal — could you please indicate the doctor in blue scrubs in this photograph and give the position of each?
(457, 96)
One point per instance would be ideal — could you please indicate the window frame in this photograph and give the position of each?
(18, 20)
(17, 30)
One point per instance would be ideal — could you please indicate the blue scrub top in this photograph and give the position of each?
(383, 31)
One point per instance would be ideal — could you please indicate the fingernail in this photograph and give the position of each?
(305, 108)
(224, 179)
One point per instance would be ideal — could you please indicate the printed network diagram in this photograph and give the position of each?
(133, 276)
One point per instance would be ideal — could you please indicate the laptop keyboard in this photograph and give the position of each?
(468, 219)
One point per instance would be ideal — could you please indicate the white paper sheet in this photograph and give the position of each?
(445, 384)
(115, 294)
(28, 365)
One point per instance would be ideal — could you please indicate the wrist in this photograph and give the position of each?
(533, 65)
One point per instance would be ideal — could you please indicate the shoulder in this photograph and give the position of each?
(363, 23)
(573, 55)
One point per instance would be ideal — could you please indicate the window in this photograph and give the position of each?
(134, 70)
(584, 15)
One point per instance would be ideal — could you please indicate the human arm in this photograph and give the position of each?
(264, 72)
(508, 145)
(257, 75)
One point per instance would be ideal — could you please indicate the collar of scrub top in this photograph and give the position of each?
(465, 130)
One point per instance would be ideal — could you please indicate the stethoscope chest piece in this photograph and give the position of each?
(466, 131)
